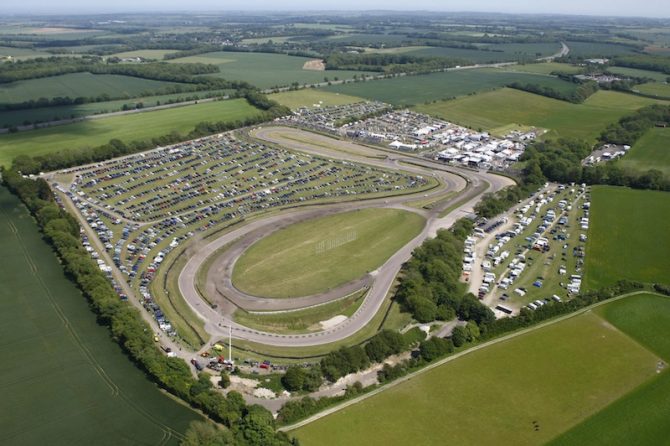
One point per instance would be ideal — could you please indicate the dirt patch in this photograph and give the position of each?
(333, 321)
(314, 65)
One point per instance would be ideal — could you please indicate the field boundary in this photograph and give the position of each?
(448, 359)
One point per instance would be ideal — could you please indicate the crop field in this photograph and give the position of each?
(311, 98)
(657, 89)
(317, 255)
(82, 135)
(64, 381)
(19, 117)
(21, 53)
(508, 106)
(78, 84)
(492, 53)
(634, 72)
(523, 391)
(265, 70)
(652, 151)
(639, 417)
(627, 236)
(596, 49)
(413, 90)
(145, 54)
(544, 68)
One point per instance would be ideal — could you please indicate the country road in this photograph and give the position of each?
(217, 322)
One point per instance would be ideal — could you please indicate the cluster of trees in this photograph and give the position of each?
(115, 148)
(388, 63)
(295, 410)
(353, 359)
(430, 288)
(630, 128)
(561, 161)
(250, 425)
(644, 62)
(577, 96)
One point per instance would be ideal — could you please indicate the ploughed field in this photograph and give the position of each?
(628, 236)
(526, 390)
(317, 255)
(64, 381)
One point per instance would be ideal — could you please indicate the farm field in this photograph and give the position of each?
(127, 128)
(413, 90)
(78, 84)
(596, 49)
(21, 53)
(543, 68)
(506, 106)
(552, 378)
(44, 114)
(308, 97)
(321, 254)
(265, 70)
(661, 90)
(652, 151)
(146, 54)
(655, 75)
(639, 417)
(59, 366)
(492, 53)
(627, 238)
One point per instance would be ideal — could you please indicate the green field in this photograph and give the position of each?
(640, 417)
(309, 97)
(145, 54)
(300, 321)
(652, 151)
(628, 236)
(265, 70)
(64, 381)
(492, 53)
(317, 255)
(523, 391)
(78, 84)
(44, 114)
(508, 106)
(657, 89)
(412, 90)
(127, 128)
(544, 68)
(21, 53)
(597, 49)
(634, 72)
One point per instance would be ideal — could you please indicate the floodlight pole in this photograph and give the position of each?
(230, 344)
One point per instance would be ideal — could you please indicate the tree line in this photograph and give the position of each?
(248, 425)
(581, 93)
(388, 63)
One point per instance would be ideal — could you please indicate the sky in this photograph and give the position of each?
(647, 8)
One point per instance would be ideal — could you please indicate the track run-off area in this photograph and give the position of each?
(470, 185)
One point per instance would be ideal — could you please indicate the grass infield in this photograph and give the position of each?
(320, 254)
